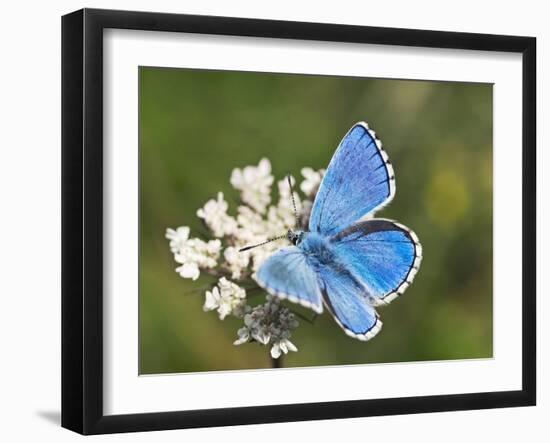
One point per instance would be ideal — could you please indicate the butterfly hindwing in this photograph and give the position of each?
(346, 301)
(288, 275)
(381, 254)
(358, 181)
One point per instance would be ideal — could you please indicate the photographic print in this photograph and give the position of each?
(291, 220)
(298, 218)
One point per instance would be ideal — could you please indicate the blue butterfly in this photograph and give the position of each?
(348, 261)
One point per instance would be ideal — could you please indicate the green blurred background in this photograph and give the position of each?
(196, 126)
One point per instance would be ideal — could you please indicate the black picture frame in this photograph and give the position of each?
(82, 220)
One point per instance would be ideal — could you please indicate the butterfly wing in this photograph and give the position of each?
(344, 297)
(384, 256)
(287, 274)
(359, 180)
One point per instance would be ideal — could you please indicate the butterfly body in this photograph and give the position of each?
(346, 261)
(319, 252)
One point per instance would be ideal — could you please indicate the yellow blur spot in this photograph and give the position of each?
(446, 198)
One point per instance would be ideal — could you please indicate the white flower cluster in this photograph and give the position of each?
(269, 324)
(193, 254)
(254, 182)
(312, 181)
(214, 214)
(227, 298)
(256, 221)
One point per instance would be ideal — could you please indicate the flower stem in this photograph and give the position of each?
(277, 362)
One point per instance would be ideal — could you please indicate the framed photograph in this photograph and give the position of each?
(269, 221)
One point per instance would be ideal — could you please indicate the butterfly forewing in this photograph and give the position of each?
(288, 275)
(358, 181)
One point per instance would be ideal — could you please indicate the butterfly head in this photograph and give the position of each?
(295, 237)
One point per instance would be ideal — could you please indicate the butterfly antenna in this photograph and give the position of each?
(293, 201)
(269, 240)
